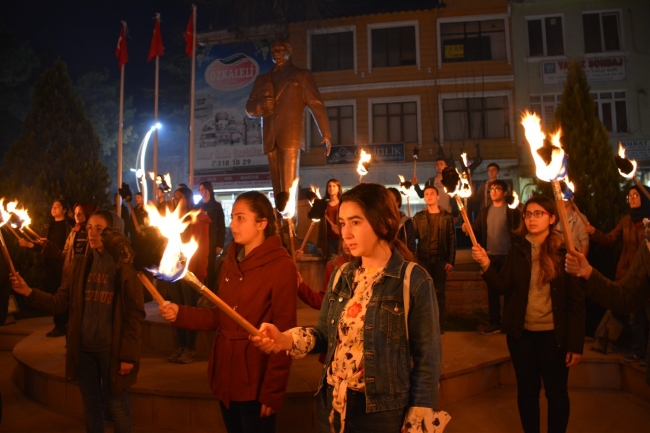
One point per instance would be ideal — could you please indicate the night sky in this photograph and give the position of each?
(84, 33)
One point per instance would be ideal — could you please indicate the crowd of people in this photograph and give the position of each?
(382, 301)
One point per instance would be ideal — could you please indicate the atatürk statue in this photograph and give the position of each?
(279, 97)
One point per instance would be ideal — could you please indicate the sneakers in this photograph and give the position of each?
(187, 356)
(174, 356)
(56, 332)
(491, 329)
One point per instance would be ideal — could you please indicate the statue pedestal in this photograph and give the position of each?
(312, 269)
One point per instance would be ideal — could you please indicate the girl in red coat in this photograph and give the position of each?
(258, 280)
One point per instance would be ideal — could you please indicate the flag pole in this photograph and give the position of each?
(120, 126)
(192, 83)
(155, 118)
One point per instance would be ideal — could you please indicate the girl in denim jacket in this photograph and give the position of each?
(376, 379)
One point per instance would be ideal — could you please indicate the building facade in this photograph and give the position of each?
(612, 40)
(438, 80)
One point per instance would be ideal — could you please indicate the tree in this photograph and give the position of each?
(57, 154)
(591, 160)
(100, 98)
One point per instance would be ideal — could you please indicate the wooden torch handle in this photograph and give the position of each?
(151, 288)
(5, 253)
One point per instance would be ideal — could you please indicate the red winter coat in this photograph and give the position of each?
(262, 288)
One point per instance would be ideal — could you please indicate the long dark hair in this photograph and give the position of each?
(335, 182)
(260, 205)
(380, 211)
(208, 185)
(189, 197)
(551, 251)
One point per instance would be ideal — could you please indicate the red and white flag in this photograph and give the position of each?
(189, 35)
(156, 48)
(120, 52)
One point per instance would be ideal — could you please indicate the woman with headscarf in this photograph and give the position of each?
(630, 230)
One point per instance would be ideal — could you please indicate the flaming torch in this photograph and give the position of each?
(416, 154)
(405, 189)
(288, 212)
(627, 169)
(364, 164)
(457, 185)
(5, 252)
(20, 221)
(9, 217)
(316, 213)
(175, 260)
(568, 193)
(515, 201)
(550, 163)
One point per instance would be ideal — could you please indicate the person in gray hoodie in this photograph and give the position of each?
(105, 300)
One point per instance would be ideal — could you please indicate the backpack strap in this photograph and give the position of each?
(338, 274)
(407, 294)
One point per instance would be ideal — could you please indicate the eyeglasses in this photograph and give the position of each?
(496, 189)
(633, 196)
(536, 214)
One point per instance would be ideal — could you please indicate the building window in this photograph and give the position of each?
(544, 106)
(395, 122)
(394, 46)
(475, 118)
(341, 125)
(545, 36)
(473, 40)
(601, 32)
(332, 51)
(611, 109)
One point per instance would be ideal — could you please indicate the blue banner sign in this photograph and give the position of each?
(388, 152)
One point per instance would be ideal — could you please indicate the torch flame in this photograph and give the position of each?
(152, 176)
(168, 179)
(3, 213)
(621, 153)
(290, 209)
(556, 169)
(515, 200)
(23, 216)
(177, 255)
(463, 188)
(315, 190)
(464, 158)
(364, 158)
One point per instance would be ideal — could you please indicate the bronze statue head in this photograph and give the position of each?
(281, 51)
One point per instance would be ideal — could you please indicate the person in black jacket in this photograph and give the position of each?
(217, 229)
(436, 248)
(543, 317)
(494, 229)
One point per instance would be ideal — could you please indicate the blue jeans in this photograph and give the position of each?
(356, 418)
(93, 378)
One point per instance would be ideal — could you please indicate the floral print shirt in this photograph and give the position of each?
(346, 369)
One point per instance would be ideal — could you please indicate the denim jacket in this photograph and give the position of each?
(396, 374)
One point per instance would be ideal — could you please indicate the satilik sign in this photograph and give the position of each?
(389, 152)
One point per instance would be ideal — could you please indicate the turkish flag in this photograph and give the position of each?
(156, 48)
(120, 52)
(189, 36)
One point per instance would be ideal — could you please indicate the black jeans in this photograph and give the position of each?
(536, 357)
(244, 417)
(356, 418)
(436, 268)
(494, 299)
